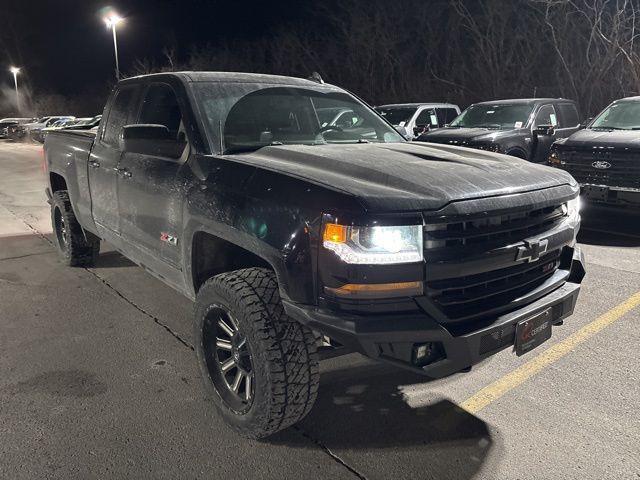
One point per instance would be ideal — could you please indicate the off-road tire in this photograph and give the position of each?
(284, 354)
(77, 247)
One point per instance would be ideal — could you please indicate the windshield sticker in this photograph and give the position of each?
(490, 111)
(434, 120)
(518, 125)
(552, 117)
(401, 124)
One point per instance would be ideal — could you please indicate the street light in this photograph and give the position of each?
(16, 71)
(112, 20)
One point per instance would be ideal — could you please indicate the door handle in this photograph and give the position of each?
(94, 164)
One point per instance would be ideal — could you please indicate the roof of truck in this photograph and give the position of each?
(524, 101)
(418, 104)
(236, 77)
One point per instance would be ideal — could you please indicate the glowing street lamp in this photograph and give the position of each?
(112, 20)
(16, 71)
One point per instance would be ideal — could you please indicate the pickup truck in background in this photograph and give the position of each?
(605, 157)
(414, 119)
(522, 128)
(292, 233)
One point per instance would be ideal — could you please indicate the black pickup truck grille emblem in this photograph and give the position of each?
(532, 250)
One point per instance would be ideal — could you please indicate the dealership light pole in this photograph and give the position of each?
(112, 20)
(15, 71)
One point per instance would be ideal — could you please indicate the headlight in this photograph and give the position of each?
(374, 245)
(573, 207)
(554, 159)
(487, 147)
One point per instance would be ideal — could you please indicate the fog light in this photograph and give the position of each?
(426, 353)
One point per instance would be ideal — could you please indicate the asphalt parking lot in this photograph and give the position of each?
(98, 379)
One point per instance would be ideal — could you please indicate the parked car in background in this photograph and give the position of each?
(85, 123)
(57, 125)
(34, 130)
(7, 123)
(523, 128)
(413, 119)
(605, 157)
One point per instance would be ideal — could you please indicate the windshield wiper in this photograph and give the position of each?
(602, 127)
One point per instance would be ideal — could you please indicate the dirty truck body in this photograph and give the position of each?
(431, 257)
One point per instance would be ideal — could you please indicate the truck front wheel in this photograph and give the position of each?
(260, 367)
(77, 247)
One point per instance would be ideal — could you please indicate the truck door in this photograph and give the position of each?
(542, 143)
(103, 160)
(568, 120)
(150, 190)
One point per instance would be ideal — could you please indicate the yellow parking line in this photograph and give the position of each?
(510, 381)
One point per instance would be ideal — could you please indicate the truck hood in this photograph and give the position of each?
(462, 136)
(397, 177)
(602, 138)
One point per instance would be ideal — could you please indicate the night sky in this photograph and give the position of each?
(64, 46)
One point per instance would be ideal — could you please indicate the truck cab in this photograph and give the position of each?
(414, 119)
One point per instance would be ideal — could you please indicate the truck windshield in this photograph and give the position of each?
(397, 115)
(244, 117)
(494, 116)
(619, 116)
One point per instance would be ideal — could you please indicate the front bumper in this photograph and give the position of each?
(393, 337)
(608, 195)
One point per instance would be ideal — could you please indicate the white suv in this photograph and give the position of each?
(413, 119)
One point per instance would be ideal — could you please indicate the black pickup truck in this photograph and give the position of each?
(292, 236)
(523, 128)
(605, 157)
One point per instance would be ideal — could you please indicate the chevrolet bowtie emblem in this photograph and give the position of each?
(532, 250)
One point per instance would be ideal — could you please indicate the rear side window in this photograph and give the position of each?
(160, 107)
(119, 114)
(568, 115)
(446, 115)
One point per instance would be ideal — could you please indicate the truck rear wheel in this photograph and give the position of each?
(260, 367)
(77, 247)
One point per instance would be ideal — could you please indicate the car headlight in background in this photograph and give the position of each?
(376, 245)
(487, 147)
(554, 159)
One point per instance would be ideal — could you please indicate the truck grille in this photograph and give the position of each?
(449, 245)
(624, 169)
(470, 296)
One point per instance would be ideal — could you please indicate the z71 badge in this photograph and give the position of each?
(170, 239)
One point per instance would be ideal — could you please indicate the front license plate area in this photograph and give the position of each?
(533, 331)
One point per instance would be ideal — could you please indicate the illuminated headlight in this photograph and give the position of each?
(374, 245)
(573, 207)
(554, 159)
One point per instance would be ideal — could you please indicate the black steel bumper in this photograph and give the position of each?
(393, 337)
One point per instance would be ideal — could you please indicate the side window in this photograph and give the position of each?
(568, 115)
(427, 117)
(160, 107)
(546, 116)
(119, 114)
(446, 115)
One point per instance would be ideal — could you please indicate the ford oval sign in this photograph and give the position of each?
(601, 164)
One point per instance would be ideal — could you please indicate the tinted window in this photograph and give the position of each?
(119, 114)
(568, 115)
(160, 107)
(446, 115)
(546, 116)
(494, 116)
(427, 117)
(397, 115)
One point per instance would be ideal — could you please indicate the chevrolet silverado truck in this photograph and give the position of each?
(292, 235)
(523, 128)
(605, 157)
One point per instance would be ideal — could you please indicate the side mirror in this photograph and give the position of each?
(149, 139)
(544, 130)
